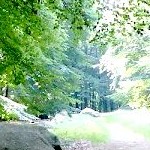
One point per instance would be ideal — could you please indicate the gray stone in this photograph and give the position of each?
(15, 136)
(90, 112)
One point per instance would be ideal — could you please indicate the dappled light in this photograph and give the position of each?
(78, 69)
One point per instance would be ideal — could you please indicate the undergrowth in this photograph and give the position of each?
(83, 127)
(5, 116)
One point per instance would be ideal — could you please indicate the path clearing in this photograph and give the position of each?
(121, 138)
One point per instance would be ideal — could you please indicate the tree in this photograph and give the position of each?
(33, 48)
(127, 39)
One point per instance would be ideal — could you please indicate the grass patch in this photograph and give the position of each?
(136, 122)
(144, 130)
(82, 127)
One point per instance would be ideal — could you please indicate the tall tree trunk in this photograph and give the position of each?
(5, 91)
(85, 102)
(77, 105)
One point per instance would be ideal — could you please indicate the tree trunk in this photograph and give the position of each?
(5, 91)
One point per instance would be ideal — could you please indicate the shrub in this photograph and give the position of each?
(5, 116)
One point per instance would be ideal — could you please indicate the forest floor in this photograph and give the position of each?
(126, 130)
(121, 138)
(118, 130)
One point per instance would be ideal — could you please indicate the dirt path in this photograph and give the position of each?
(121, 138)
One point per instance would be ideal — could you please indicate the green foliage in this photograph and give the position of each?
(134, 80)
(139, 94)
(120, 97)
(119, 20)
(131, 32)
(33, 41)
(46, 49)
(5, 116)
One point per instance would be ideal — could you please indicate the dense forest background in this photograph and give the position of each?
(57, 54)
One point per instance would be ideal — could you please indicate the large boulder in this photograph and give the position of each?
(90, 112)
(15, 136)
(61, 116)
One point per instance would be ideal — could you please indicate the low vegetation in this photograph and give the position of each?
(82, 127)
(134, 120)
(5, 116)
